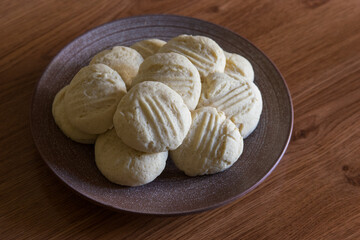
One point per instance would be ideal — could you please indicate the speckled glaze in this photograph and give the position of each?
(172, 192)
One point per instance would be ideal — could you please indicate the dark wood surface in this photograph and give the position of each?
(314, 193)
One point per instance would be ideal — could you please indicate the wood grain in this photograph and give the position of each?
(314, 193)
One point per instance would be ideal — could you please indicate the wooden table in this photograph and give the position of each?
(314, 193)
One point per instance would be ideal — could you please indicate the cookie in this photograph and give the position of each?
(203, 52)
(238, 67)
(174, 70)
(125, 166)
(61, 119)
(152, 117)
(212, 145)
(240, 100)
(92, 97)
(148, 47)
(124, 60)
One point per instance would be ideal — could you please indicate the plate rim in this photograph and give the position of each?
(170, 213)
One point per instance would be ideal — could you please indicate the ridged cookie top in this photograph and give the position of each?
(124, 165)
(152, 118)
(61, 119)
(124, 60)
(148, 47)
(240, 100)
(92, 97)
(203, 52)
(174, 70)
(212, 145)
(238, 67)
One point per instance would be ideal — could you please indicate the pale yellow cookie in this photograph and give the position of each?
(124, 60)
(148, 47)
(92, 97)
(238, 67)
(61, 119)
(212, 145)
(174, 70)
(152, 117)
(203, 52)
(240, 100)
(125, 166)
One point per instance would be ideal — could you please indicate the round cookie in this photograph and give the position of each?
(212, 145)
(124, 60)
(125, 166)
(92, 97)
(240, 100)
(203, 52)
(148, 47)
(174, 70)
(61, 119)
(238, 67)
(152, 117)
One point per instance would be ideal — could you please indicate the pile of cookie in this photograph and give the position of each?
(186, 98)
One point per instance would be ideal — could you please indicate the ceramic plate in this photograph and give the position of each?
(172, 192)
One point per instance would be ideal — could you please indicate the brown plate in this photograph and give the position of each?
(172, 192)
